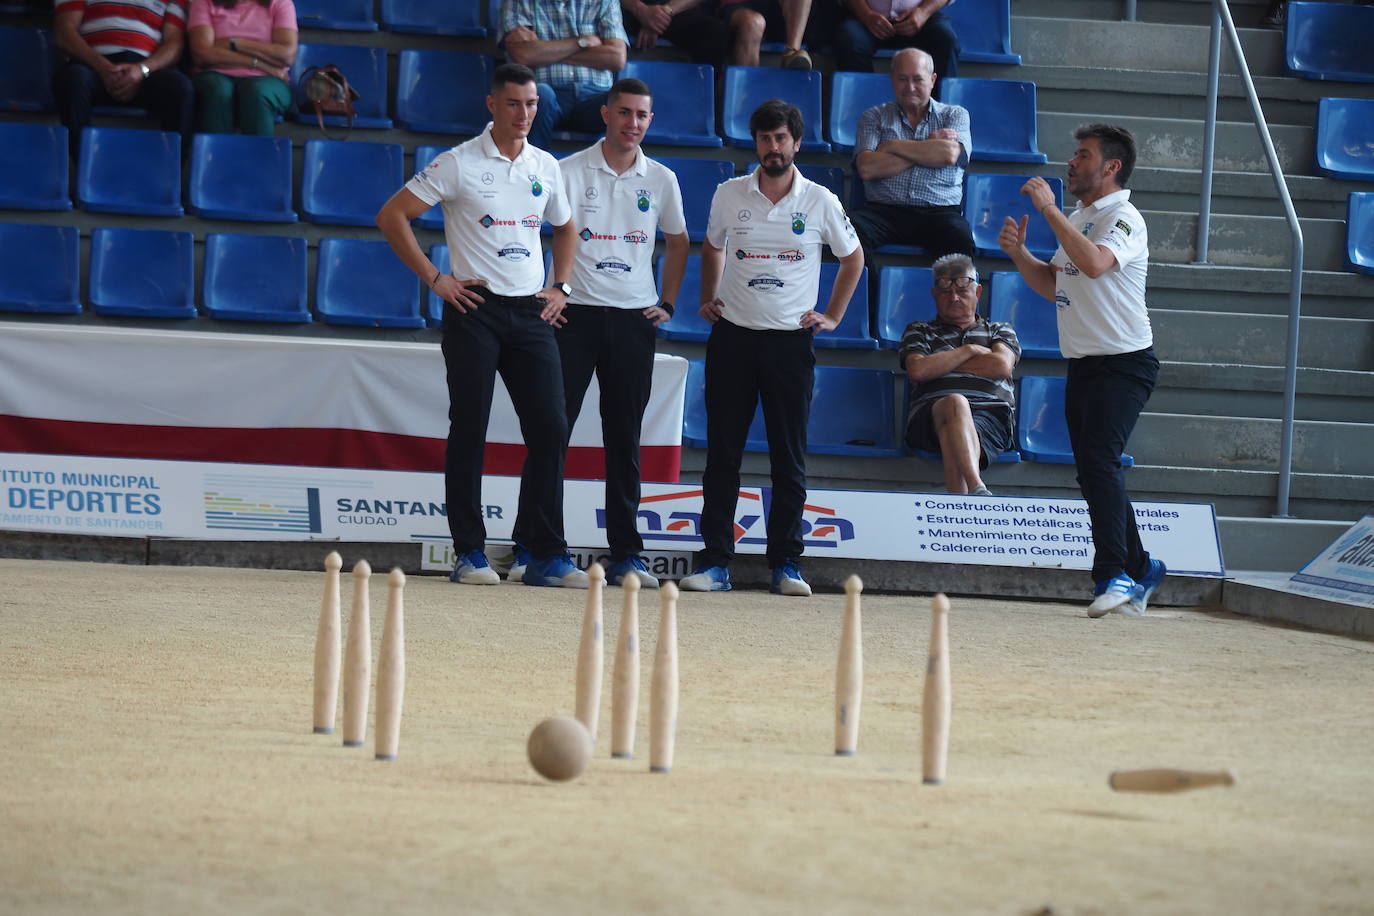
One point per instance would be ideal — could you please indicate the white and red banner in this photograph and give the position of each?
(256, 399)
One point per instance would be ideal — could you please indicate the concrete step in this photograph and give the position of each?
(1222, 288)
(1180, 12)
(1239, 240)
(1210, 389)
(1278, 544)
(1252, 444)
(1054, 41)
(1246, 193)
(1261, 340)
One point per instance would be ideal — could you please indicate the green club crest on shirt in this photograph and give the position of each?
(798, 223)
(535, 187)
(642, 201)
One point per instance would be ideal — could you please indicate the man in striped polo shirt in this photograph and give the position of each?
(960, 364)
(122, 53)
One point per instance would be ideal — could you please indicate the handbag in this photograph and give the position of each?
(325, 91)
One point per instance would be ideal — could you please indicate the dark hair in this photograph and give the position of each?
(230, 4)
(1116, 143)
(514, 74)
(776, 113)
(629, 86)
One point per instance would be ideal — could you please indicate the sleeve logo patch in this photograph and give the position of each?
(1123, 226)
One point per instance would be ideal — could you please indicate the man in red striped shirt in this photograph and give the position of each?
(122, 52)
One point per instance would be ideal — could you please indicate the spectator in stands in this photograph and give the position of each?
(760, 277)
(754, 21)
(620, 197)
(911, 154)
(1097, 281)
(496, 190)
(122, 54)
(575, 48)
(244, 50)
(691, 25)
(892, 24)
(962, 403)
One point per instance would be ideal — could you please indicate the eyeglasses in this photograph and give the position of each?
(945, 284)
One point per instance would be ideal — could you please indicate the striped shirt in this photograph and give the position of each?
(116, 26)
(918, 185)
(926, 337)
(567, 19)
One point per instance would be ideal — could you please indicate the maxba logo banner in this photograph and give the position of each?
(675, 518)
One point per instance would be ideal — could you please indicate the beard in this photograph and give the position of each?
(775, 164)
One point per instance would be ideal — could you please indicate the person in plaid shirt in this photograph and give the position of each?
(575, 48)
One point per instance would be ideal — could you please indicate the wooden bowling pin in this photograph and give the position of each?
(663, 689)
(590, 654)
(391, 669)
(849, 672)
(327, 644)
(1163, 779)
(357, 660)
(936, 703)
(625, 679)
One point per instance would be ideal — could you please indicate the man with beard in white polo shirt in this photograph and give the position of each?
(496, 190)
(760, 276)
(619, 197)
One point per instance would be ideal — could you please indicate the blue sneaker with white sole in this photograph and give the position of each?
(706, 579)
(631, 567)
(558, 571)
(1145, 587)
(472, 568)
(517, 566)
(1112, 594)
(787, 580)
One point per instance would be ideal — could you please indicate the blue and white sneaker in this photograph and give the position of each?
(557, 571)
(472, 568)
(1110, 595)
(1145, 588)
(787, 580)
(631, 566)
(517, 567)
(706, 579)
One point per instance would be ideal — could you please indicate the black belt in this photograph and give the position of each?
(514, 302)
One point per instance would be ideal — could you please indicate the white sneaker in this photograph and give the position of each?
(1111, 595)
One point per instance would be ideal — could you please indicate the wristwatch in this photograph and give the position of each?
(584, 42)
(146, 71)
(666, 306)
(565, 289)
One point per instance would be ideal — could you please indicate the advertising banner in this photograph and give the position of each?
(1344, 570)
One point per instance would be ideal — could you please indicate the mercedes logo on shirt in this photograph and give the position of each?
(488, 178)
(744, 216)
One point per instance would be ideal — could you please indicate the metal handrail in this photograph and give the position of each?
(1221, 18)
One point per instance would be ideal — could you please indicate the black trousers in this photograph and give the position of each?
(698, 31)
(939, 230)
(505, 335)
(1103, 399)
(618, 346)
(167, 93)
(855, 46)
(744, 366)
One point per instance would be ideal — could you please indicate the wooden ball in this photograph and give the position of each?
(560, 748)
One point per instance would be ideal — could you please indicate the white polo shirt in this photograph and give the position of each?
(1105, 316)
(773, 251)
(493, 208)
(617, 216)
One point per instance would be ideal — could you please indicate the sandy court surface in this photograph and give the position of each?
(158, 759)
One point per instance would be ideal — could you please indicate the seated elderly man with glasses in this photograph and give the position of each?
(960, 364)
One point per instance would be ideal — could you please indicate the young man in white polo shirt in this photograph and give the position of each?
(496, 191)
(1097, 281)
(619, 197)
(760, 276)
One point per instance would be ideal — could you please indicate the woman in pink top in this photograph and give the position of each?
(243, 50)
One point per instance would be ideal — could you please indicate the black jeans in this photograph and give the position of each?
(504, 335)
(1102, 400)
(742, 367)
(167, 93)
(618, 345)
(939, 230)
(698, 31)
(855, 46)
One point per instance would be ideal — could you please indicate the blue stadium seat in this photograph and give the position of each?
(1329, 41)
(694, 413)
(984, 30)
(1041, 432)
(237, 176)
(853, 412)
(1004, 114)
(852, 331)
(425, 17)
(903, 297)
(1031, 315)
(26, 77)
(828, 176)
(33, 167)
(857, 198)
(345, 184)
(851, 94)
(255, 278)
(346, 15)
(434, 306)
(39, 269)
(1345, 139)
(129, 171)
(698, 179)
(366, 71)
(362, 282)
(143, 273)
(686, 323)
(747, 87)
(426, 99)
(685, 103)
(1359, 232)
(989, 198)
(433, 218)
